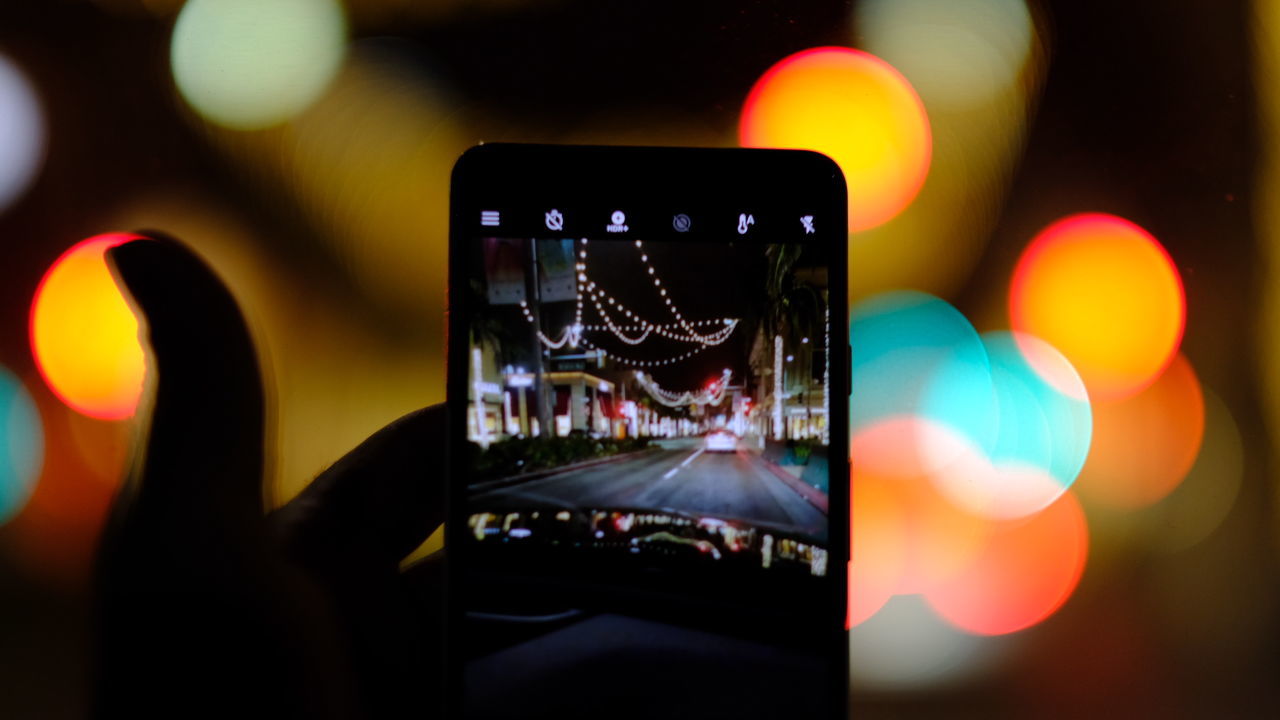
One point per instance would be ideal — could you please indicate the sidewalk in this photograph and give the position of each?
(816, 497)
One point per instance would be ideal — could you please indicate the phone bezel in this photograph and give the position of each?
(528, 175)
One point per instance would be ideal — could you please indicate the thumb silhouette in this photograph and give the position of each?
(205, 604)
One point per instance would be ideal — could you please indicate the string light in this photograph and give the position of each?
(595, 298)
(571, 335)
(777, 387)
(657, 282)
(477, 389)
(826, 375)
(727, 325)
(643, 363)
(599, 297)
(712, 395)
(582, 276)
(681, 331)
(666, 330)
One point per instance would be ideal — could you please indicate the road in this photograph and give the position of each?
(679, 475)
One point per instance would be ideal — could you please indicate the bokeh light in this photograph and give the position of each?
(1204, 498)
(956, 54)
(1145, 444)
(1264, 351)
(84, 334)
(977, 66)
(878, 545)
(54, 537)
(915, 354)
(21, 445)
(906, 646)
(1042, 435)
(247, 64)
(932, 538)
(996, 437)
(22, 134)
(856, 109)
(384, 220)
(1024, 572)
(380, 225)
(1105, 293)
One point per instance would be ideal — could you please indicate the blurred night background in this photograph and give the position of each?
(1097, 177)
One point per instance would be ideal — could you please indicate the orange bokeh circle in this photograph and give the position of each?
(906, 536)
(856, 109)
(1144, 445)
(84, 336)
(877, 547)
(1106, 294)
(1025, 571)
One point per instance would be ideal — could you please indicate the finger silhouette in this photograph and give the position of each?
(204, 449)
(197, 611)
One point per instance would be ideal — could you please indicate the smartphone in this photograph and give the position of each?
(648, 386)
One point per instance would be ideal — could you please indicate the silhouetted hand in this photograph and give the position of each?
(207, 605)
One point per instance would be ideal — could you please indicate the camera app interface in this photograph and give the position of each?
(646, 414)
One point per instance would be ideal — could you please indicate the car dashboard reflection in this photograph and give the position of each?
(646, 534)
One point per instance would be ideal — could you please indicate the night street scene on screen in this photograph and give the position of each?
(662, 403)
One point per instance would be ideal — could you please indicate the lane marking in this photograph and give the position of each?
(691, 457)
(687, 460)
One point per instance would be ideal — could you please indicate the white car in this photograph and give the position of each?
(721, 441)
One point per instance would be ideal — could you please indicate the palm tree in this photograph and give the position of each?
(795, 309)
(489, 329)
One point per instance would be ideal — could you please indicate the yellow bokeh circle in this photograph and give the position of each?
(84, 335)
(854, 108)
(1106, 294)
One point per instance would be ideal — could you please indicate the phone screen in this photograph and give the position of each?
(653, 418)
